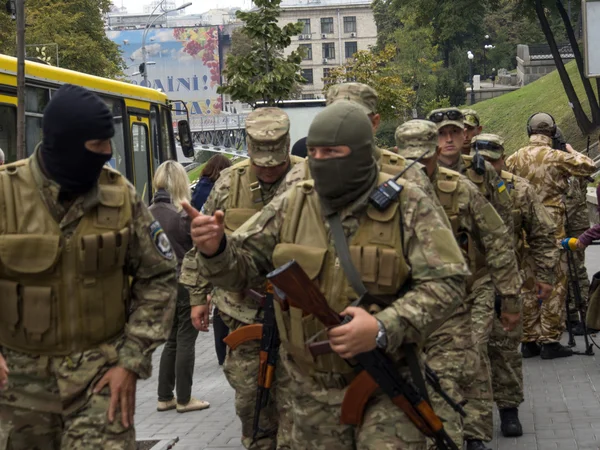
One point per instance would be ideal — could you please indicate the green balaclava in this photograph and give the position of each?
(340, 181)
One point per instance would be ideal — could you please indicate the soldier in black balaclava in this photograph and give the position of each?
(77, 128)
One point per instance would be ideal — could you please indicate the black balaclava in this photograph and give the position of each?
(340, 181)
(74, 116)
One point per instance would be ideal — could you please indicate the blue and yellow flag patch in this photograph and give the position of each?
(501, 186)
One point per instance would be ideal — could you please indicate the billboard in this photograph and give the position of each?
(183, 63)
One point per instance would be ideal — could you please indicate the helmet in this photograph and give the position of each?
(541, 122)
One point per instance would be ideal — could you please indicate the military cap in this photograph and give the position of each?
(359, 93)
(471, 118)
(541, 123)
(415, 137)
(489, 145)
(447, 116)
(268, 136)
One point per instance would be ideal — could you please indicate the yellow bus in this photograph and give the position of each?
(144, 135)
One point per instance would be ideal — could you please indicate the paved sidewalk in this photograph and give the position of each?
(561, 408)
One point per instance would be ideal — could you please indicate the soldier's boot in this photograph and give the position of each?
(530, 349)
(473, 444)
(555, 350)
(510, 425)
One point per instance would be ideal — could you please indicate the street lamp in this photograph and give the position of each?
(471, 56)
(147, 27)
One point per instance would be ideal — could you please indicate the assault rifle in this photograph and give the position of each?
(574, 293)
(294, 287)
(269, 349)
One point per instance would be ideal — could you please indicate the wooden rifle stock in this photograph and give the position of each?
(293, 284)
(246, 333)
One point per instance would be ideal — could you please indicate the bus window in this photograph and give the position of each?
(166, 136)
(139, 138)
(156, 147)
(8, 132)
(119, 159)
(36, 100)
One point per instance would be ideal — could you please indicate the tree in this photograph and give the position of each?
(76, 26)
(373, 69)
(417, 62)
(263, 73)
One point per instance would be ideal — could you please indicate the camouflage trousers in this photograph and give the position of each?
(450, 352)
(545, 322)
(316, 409)
(507, 365)
(49, 404)
(241, 370)
(479, 423)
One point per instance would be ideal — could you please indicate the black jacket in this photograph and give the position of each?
(175, 224)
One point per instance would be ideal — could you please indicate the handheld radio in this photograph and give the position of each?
(478, 161)
(384, 194)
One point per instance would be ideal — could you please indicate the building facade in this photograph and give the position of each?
(334, 30)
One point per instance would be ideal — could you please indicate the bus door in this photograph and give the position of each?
(140, 146)
(8, 127)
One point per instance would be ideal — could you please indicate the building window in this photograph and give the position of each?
(308, 96)
(306, 29)
(326, 74)
(329, 50)
(327, 25)
(306, 51)
(351, 49)
(350, 24)
(307, 74)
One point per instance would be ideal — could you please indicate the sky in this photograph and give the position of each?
(198, 6)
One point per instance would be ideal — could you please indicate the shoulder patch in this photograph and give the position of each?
(501, 186)
(160, 239)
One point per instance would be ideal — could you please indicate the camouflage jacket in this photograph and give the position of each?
(478, 218)
(538, 226)
(228, 302)
(548, 170)
(438, 269)
(153, 286)
(492, 187)
(576, 205)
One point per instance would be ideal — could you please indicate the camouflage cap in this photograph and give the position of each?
(268, 136)
(489, 145)
(359, 93)
(415, 137)
(471, 118)
(541, 123)
(447, 116)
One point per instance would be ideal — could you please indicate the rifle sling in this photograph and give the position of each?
(341, 247)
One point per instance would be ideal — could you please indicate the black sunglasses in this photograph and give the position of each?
(487, 145)
(438, 117)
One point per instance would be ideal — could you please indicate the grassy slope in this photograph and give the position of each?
(507, 115)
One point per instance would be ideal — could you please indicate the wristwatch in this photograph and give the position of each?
(381, 338)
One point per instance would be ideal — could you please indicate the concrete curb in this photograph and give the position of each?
(166, 444)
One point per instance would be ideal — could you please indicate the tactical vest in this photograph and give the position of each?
(519, 239)
(474, 177)
(61, 294)
(446, 188)
(375, 249)
(245, 198)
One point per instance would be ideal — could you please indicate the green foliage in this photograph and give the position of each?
(417, 62)
(373, 69)
(78, 29)
(262, 73)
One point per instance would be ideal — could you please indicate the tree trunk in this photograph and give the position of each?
(587, 85)
(583, 122)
